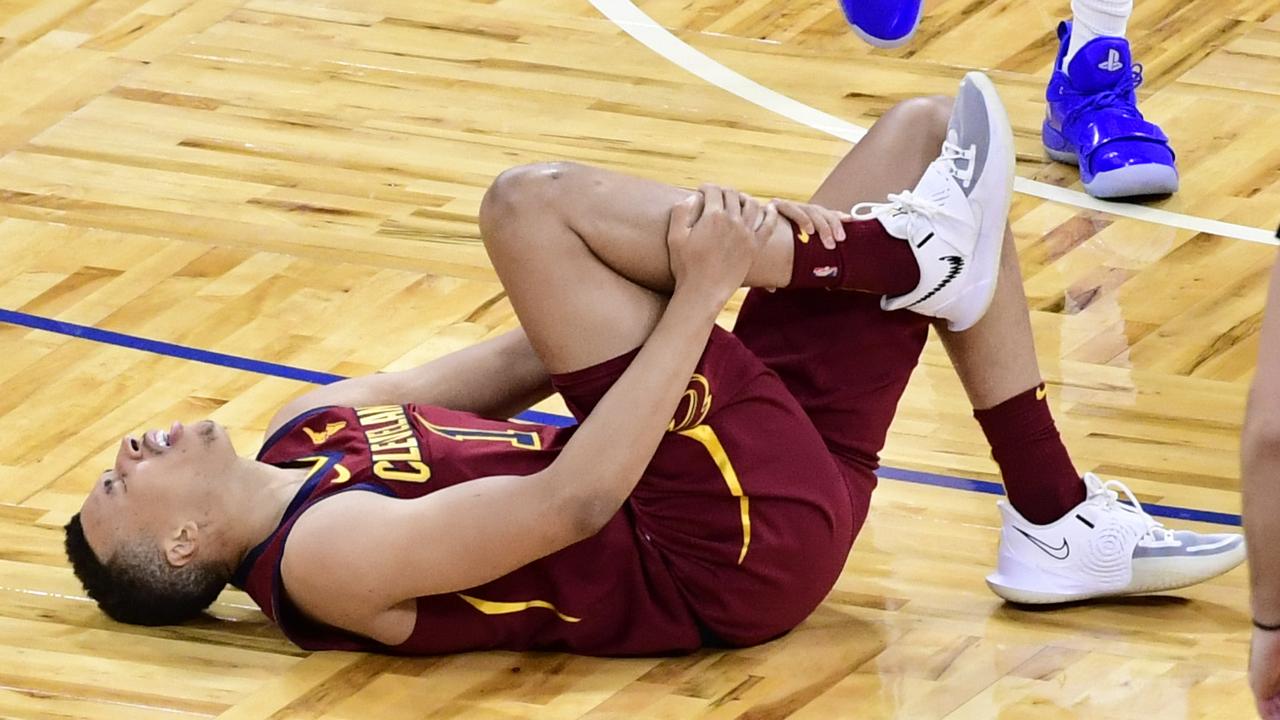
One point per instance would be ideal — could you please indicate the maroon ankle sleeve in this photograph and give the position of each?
(869, 260)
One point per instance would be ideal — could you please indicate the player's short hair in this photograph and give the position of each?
(139, 586)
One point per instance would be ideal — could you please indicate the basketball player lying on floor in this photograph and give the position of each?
(681, 512)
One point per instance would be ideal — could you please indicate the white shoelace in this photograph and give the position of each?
(951, 153)
(906, 202)
(1110, 492)
(912, 205)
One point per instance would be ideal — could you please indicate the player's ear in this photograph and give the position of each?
(180, 546)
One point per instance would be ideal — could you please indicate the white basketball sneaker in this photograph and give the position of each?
(955, 216)
(1102, 548)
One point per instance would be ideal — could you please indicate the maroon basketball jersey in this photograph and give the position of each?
(608, 595)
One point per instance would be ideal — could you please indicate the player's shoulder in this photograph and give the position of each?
(328, 572)
(326, 537)
(319, 523)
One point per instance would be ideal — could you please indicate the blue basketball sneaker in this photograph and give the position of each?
(884, 23)
(1093, 121)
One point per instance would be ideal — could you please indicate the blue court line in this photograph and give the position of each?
(992, 488)
(323, 378)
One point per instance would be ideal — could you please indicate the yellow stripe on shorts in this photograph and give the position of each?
(492, 607)
(705, 435)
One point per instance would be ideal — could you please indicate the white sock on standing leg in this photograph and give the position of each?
(1096, 18)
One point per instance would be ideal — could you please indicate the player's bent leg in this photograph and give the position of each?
(843, 358)
(846, 360)
(574, 309)
(996, 361)
(750, 553)
(1063, 537)
(892, 156)
(547, 222)
(582, 253)
(950, 220)
(623, 219)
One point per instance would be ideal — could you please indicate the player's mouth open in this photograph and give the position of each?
(159, 441)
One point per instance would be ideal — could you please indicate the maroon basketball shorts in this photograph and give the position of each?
(743, 501)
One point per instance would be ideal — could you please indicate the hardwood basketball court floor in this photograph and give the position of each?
(201, 200)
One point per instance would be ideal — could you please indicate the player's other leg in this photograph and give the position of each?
(884, 23)
(1063, 537)
(1093, 119)
(938, 177)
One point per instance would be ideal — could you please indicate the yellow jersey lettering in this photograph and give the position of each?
(380, 419)
(388, 432)
(393, 446)
(418, 472)
(411, 454)
(379, 414)
(397, 442)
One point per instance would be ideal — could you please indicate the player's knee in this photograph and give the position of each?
(927, 117)
(1261, 433)
(521, 190)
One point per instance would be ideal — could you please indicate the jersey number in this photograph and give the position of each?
(516, 438)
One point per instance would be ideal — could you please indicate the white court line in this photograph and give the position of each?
(640, 26)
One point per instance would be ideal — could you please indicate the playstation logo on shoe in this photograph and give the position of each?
(1093, 121)
(1112, 63)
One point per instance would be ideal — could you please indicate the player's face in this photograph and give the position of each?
(160, 480)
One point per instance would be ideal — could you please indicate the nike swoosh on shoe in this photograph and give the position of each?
(1057, 553)
(957, 265)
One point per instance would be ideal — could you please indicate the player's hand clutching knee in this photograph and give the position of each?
(761, 218)
(812, 219)
(713, 238)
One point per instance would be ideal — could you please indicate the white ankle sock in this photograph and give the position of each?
(1096, 18)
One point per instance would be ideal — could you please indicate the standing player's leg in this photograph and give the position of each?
(884, 23)
(1093, 119)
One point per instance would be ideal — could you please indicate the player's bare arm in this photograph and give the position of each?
(1260, 469)
(496, 378)
(394, 551)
